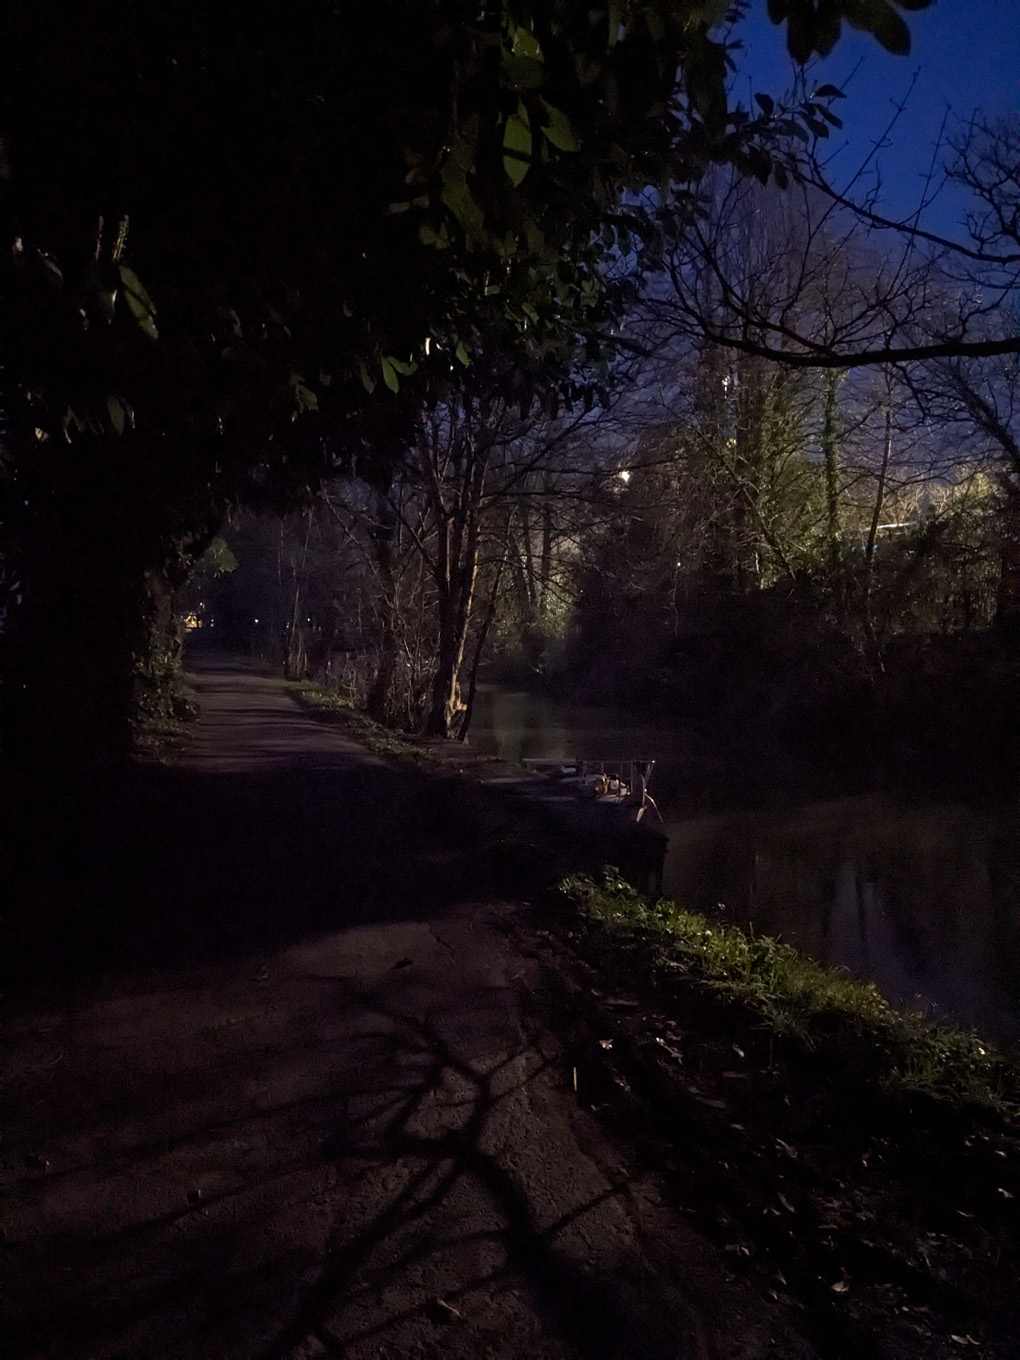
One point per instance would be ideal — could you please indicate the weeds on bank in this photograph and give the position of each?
(160, 731)
(794, 995)
(355, 722)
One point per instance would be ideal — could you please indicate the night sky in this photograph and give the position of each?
(965, 54)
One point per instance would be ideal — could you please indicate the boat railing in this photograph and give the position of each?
(620, 781)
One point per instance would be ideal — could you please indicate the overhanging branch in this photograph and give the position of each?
(885, 354)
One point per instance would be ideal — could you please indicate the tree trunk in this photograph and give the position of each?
(446, 706)
(456, 599)
(295, 663)
(379, 702)
(545, 559)
(455, 604)
(456, 574)
(830, 455)
(476, 662)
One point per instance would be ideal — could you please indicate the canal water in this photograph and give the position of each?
(924, 899)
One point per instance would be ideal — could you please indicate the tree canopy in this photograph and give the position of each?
(246, 241)
(357, 190)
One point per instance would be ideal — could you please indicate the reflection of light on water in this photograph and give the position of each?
(924, 901)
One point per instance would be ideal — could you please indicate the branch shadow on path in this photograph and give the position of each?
(420, 1206)
(608, 1306)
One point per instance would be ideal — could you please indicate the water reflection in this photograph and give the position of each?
(520, 726)
(923, 900)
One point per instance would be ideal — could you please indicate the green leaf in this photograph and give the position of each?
(534, 237)
(615, 20)
(523, 73)
(367, 381)
(389, 374)
(792, 127)
(70, 419)
(827, 31)
(887, 26)
(403, 366)
(457, 196)
(559, 130)
(766, 103)
(654, 24)
(142, 307)
(800, 35)
(828, 92)
(711, 13)
(304, 398)
(525, 44)
(462, 354)
(517, 145)
(118, 415)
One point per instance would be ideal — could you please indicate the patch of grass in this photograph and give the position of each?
(356, 723)
(797, 996)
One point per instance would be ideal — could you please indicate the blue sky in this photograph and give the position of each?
(965, 55)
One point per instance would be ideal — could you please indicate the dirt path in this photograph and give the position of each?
(310, 1096)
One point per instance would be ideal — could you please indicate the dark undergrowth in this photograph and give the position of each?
(862, 1164)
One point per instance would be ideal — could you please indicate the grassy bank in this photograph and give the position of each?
(797, 997)
(859, 1162)
(327, 703)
